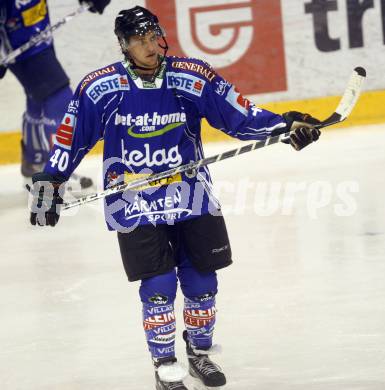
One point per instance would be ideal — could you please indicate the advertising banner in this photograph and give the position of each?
(274, 51)
(242, 40)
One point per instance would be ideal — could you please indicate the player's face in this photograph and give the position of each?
(144, 50)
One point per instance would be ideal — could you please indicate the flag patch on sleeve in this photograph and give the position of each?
(65, 131)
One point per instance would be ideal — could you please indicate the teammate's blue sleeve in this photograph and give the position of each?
(80, 129)
(227, 110)
(19, 22)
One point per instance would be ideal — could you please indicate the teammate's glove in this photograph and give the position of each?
(301, 127)
(3, 69)
(96, 5)
(47, 195)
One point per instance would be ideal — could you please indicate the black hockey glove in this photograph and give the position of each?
(96, 5)
(47, 195)
(3, 69)
(301, 127)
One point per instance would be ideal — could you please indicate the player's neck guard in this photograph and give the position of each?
(148, 81)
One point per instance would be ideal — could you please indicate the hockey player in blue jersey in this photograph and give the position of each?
(45, 82)
(148, 109)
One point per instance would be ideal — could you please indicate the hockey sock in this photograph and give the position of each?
(157, 295)
(159, 326)
(199, 319)
(36, 145)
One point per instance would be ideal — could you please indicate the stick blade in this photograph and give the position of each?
(352, 93)
(349, 98)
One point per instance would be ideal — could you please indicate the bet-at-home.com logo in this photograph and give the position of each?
(146, 126)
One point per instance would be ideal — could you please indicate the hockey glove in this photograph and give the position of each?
(47, 195)
(302, 132)
(96, 5)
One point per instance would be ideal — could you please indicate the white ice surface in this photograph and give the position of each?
(301, 308)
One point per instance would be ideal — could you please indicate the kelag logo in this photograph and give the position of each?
(241, 39)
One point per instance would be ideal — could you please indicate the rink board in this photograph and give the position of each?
(269, 49)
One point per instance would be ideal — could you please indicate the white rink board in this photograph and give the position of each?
(88, 42)
(312, 73)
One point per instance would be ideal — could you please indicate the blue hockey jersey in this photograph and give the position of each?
(151, 127)
(19, 21)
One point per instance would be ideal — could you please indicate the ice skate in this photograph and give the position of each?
(28, 169)
(169, 374)
(202, 368)
(77, 182)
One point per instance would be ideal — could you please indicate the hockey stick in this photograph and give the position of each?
(345, 107)
(348, 100)
(41, 36)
